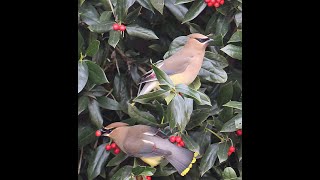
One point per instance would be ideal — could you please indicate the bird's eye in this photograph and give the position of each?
(202, 40)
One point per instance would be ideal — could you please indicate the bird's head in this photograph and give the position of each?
(199, 40)
(112, 129)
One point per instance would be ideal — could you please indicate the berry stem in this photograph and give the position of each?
(162, 119)
(222, 140)
(112, 9)
(231, 141)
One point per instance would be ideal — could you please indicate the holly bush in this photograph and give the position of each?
(207, 113)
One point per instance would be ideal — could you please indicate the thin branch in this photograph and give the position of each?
(222, 140)
(80, 160)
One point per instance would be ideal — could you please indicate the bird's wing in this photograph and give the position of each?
(141, 146)
(177, 63)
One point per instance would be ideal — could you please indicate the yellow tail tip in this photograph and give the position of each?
(184, 172)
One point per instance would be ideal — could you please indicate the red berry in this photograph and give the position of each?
(178, 139)
(218, 1)
(213, 1)
(148, 177)
(222, 2)
(108, 147)
(181, 144)
(229, 153)
(172, 139)
(116, 151)
(115, 27)
(98, 133)
(113, 145)
(122, 27)
(207, 1)
(239, 132)
(178, 144)
(232, 149)
(216, 4)
(210, 4)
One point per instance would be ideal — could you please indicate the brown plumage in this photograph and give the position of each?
(182, 67)
(149, 144)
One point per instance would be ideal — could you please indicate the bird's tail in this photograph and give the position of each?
(148, 87)
(182, 159)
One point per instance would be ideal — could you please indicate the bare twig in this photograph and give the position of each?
(80, 160)
(142, 70)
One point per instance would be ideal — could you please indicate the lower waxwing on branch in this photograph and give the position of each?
(183, 66)
(150, 145)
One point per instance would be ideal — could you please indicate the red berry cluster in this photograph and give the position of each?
(148, 177)
(178, 140)
(239, 132)
(116, 149)
(118, 27)
(215, 3)
(232, 149)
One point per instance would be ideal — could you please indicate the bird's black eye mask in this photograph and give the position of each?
(202, 40)
(108, 131)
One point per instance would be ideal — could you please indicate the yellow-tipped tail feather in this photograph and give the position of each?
(184, 172)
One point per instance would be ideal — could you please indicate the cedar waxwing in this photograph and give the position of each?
(150, 145)
(182, 67)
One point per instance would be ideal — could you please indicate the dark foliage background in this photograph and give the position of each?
(112, 62)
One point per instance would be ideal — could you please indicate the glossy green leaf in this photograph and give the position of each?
(212, 22)
(123, 173)
(143, 170)
(88, 14)
(195, 28)
(196, 8)
(81, 2)
(86, 133)
(146, 4)
(229, 174)
(101, 27)
(176, 113)
(93, 48)
(225, 93)
(158, 5)
(105, 16)
(120, 11)
(179, 11)
(238, 122)
(169, 98)
(165, 171)
(216, 59)
(120, 92)
(162, 77)
(96, 73)
(236, 37)
(95, 114)
(189, 107)
(114, 38)
(205, 100)
(190, 143)
(82, 103)
(158, 95)
(108, 103)
(80, 43)
(185, 90)
(117, 159)
(198, 116)
(141, 117)
(97, 161)
(98, 91)
(218, 40)
(226, 114)
(233, 51)
(203, 138)
(195, 84)
(208, 159)
(83, 75)
(234, 104)
(238, 19)
(182, 1)
(132, 16)
(138, 31)
(222, 25)
(237, 90)
(223, 151)
(212, 73)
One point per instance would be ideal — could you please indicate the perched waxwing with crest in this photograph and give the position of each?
(183, 66)
(150, 145)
